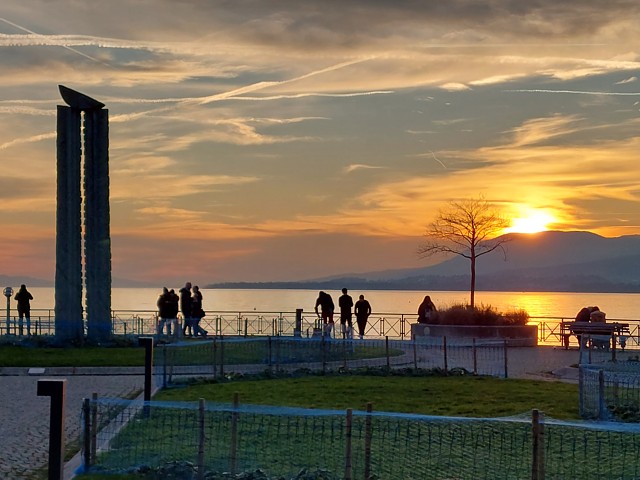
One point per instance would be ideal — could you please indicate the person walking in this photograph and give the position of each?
(362, 310)
(164, 312)
(197, 313)
(345, 302)
(325, 302)
(24, 297)
(186, 306)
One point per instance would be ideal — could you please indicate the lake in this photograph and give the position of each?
(620, 306)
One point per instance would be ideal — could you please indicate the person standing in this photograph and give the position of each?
(325, 302)
(23, 297)
(362, 310)
(345, 302)
(186, 306)
(197, 313)
(427, 310)
(172, 310)
(163, 312)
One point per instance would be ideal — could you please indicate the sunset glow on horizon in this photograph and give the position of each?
(266, 141)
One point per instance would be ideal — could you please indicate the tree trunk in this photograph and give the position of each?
(473, 280)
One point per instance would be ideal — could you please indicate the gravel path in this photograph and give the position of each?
(24, 416)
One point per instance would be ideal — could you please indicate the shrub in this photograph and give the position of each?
(482, 315)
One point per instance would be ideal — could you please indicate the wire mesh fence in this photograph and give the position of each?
(610, 391)
(222, 356)
(207, 440)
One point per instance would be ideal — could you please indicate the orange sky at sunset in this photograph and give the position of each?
(258, 141)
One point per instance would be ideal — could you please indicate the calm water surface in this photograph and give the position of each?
(537, 304)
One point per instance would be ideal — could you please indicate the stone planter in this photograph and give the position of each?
(516, 336)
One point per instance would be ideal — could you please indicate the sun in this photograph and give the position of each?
(533, 222)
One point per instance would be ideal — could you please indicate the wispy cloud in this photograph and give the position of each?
(360, 166)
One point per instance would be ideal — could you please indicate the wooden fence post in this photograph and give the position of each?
(347, 453)
(368, 434)
(537, 461)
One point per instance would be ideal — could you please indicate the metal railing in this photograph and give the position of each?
(256, 323)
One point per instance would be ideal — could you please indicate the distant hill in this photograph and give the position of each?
(548, 261)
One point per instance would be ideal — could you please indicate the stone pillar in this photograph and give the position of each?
(94, 180)
(68, 291)
(96, 214)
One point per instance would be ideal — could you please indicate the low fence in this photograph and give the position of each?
(223, 356)
(215, 441)
(610, 391)
(256, 323)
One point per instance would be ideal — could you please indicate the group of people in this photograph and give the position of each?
(190, 304)
(361, 309)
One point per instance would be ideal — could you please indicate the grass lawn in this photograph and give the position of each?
(429, 395)
(18, 356)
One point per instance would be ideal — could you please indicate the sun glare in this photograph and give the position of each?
(532, 223)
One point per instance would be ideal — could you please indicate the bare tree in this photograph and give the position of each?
(469, 228)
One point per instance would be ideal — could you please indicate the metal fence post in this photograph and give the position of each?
(506, 360)
(86, 433)
(601, 402)
(201, 439)
(444, 352)
(56, 389)
(147, 343)
(475, 358)
(233, 456)
(386, 347)
(297, 332)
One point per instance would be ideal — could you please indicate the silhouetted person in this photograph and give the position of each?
(427, 310)
(325, 301)
(23, 297)
(197, 313)
(186, 306)
(172, 311)
(345, 302)
(584, 314)
(362, 310)
(164, 317)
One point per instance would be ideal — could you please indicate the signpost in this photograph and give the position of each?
(8, 292)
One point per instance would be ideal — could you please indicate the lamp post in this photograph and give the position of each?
(8, 292)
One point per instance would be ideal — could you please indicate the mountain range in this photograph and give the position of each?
(547, 261)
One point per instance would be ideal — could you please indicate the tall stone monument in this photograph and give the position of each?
(82, 219)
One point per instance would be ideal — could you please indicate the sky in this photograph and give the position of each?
(289, 140)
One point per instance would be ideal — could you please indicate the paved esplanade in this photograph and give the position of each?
(24, 417)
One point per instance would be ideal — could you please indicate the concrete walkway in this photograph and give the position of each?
(24, 417)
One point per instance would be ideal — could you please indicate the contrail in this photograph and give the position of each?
(577, 92)
(63, 46)
(262, 85)
(437, 160)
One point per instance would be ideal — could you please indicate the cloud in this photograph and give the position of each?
(353, 167)
(627, 80)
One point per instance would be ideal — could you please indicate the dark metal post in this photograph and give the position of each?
(506, 360)
(297, 332)
(147, 343)
(56, 389)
